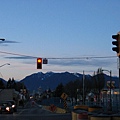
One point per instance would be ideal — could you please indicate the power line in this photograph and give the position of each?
(17, 54)
(89, 57)
(84, 57)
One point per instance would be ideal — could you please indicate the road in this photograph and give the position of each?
(34, 112)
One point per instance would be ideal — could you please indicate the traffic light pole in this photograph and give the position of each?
(117, 49)
(119, 81)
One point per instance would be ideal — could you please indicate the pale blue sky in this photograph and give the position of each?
(58, 29)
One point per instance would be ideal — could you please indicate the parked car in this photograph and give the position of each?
(6, 107)
(14, 105)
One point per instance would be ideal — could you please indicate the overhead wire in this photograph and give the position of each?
(82, 57)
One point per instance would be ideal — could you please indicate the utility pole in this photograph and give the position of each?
(83, 88)
(118, 62)
(117, 49)
(110, 104)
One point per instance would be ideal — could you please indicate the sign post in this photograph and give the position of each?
(64, 97)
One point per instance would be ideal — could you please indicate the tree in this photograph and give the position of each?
(11, 83)
(99, 82)
(59, 90)
(75, 88)
(70, 89)
(2, 86)
(19, 86)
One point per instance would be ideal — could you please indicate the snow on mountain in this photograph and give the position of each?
(51, 79)
(47, 80)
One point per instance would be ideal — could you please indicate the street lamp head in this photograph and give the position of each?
(5, 64)
(2, 39)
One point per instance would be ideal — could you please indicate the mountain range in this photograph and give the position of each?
(51, 80)
(48, 80)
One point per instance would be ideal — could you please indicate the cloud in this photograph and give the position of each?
(21, 57)
(83, 62)
(17, 56)
(6, 42)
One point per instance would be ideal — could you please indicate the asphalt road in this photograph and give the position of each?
(34, 112)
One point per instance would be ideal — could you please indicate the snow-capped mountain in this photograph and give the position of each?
(51, 79)
(48, 80)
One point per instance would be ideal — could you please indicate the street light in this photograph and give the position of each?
(2, 39)
(4, 64)
(110, 109)
(116, 101)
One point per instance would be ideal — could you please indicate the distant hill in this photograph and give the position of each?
(4, 81)
(48, 80)
(51, 79)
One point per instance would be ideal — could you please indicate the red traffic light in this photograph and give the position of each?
(39, 60)
(39, 63)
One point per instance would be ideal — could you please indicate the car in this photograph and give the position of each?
(6, 107)
(14, 105)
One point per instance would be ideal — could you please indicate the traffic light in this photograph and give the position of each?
(116, 43)
(45, 61)
(39, 63)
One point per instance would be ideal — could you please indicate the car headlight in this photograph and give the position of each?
(7, 108)
(13, 106)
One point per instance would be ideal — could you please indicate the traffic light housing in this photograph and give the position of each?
(39, 63)
(45, 61)
(116, 43)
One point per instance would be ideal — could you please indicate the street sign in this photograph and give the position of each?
(64, 96)
(45, 61)
(112, 84)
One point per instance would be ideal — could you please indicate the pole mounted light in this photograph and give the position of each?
(4, 64)
(2, 39)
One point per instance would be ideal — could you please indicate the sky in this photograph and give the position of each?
(74, 35)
